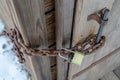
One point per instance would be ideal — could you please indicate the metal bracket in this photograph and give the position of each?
(102, 18)
(98, 16)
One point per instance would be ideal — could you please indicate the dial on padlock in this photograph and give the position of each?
(77, 57)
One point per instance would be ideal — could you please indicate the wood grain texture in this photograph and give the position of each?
(110, 76)
(50, 25)
(64, 17)
(29, 17)
(31, 14)
(112, 42)
(102, 68)
(5, 14)
(105, 67)
(117, 72)
(49, 5)
(83, 28)
(54, 72)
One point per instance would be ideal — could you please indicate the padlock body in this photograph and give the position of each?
(78, 58)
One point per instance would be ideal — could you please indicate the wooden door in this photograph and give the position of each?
(83, 28)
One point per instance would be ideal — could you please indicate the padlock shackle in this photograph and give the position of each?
(68, 50)
(66, 57)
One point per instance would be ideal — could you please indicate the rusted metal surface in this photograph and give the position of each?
(102, 18)
(98, 16)
(87, 47)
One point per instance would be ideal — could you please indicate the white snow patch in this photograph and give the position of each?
(1, 26)
(10, 68)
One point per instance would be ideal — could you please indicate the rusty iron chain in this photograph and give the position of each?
(87, 47)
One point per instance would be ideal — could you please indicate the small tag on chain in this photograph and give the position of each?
(78, 58)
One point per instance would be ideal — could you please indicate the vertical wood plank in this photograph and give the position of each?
(117, 72)
(83, 28)
(112, 41)
(5, 14)
(64, 17)
(102, 68)
(49, 5)
(110, 76)
(50, 24)
(29, 17)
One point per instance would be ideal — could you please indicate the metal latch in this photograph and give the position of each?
(102, 18)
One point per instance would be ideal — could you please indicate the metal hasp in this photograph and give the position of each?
(101, 17)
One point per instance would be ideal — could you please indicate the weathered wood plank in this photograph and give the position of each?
(30, 19)
(31, 14)
(110, 76)
(117, 72)
(50, 25)
(9, 23)
(49, 5)
(112, 43)
(83, 28)
(54, 72)
(5, 14)
(102, 68)
(64, 17)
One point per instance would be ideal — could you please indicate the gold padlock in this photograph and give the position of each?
(77, 57)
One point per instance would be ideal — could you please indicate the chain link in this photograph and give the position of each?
(87, 47)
